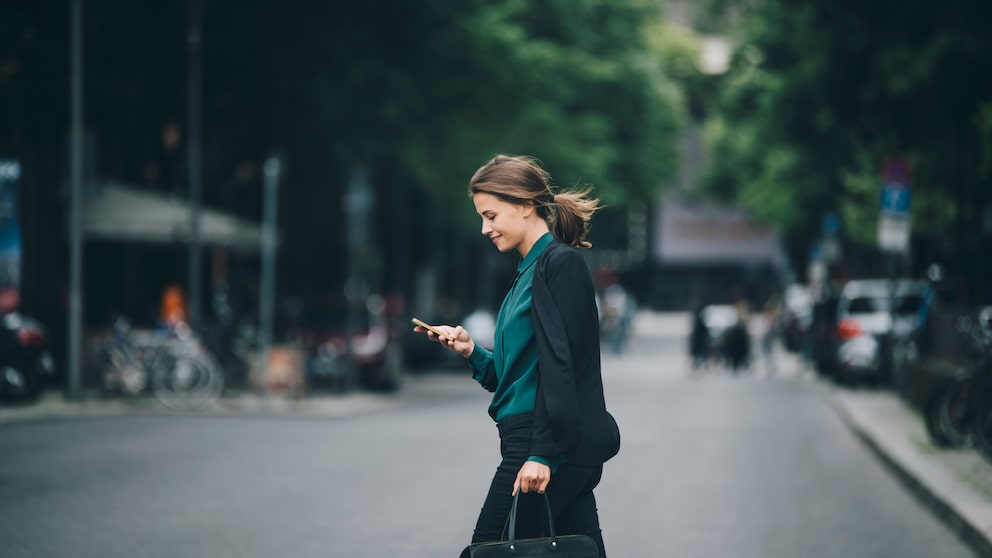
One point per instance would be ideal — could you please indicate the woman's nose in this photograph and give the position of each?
(486, 229)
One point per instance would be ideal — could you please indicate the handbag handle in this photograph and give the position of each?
(513, 519)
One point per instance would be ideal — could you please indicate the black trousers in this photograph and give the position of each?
(570, 493)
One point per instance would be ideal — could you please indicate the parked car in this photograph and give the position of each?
(872, 315)
(25, 362)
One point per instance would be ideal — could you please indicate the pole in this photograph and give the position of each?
(358, 202)
(266, 305)
(195, 110)
(885, 356)
(75, 348)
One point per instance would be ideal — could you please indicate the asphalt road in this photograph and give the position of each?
(711, 465)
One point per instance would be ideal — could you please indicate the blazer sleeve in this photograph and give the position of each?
(559, 309)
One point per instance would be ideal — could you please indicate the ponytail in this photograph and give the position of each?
(572, 211)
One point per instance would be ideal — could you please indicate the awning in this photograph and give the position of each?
(121, 213)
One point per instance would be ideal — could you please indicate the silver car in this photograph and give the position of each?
(871, 315)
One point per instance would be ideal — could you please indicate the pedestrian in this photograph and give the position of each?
(173, 307)
(699, 340)
(544, 369)
(767, 330)
(618, 309)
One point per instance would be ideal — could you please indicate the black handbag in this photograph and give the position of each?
(558, 546)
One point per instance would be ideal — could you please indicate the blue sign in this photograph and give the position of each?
(10, 226)
(895, 200)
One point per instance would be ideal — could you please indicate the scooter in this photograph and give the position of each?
(25, 362)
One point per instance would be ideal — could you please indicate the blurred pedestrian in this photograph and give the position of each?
(767, 330)
(737, 338)
(173, 309)
(544, 369)
(699, 340)
(618, 309)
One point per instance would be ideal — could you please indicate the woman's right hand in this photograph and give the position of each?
(456, 340)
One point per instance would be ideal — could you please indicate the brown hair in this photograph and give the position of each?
(522, 180)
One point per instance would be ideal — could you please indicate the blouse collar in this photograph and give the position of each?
(535, 251)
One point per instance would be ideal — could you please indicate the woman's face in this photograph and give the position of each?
(503, 222)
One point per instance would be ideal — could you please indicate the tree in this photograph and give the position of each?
(820, 92)
(419, 93)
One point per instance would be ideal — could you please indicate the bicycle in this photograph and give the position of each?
(959, 413)
(172, 363)
(981, 426)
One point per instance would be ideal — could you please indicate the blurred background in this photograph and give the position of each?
(289, 178)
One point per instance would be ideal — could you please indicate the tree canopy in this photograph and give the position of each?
(417, 93)
(821, 92)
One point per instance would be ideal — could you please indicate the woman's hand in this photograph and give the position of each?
(456, 340)
(532, 476)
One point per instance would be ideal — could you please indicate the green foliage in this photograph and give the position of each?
(821, 91)
(420, 93)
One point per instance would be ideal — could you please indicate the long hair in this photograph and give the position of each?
(522, 180)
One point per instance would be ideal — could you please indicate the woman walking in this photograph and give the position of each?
(544, 369)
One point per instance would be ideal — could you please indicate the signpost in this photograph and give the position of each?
(893, 220)
(893, 233)
(266, 307)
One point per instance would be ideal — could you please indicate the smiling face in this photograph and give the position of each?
(507, 224)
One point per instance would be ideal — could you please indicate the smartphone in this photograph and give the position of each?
(430, 328)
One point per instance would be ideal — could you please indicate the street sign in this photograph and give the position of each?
(895, 170)
(895, 199)
(894, 215)
(893, 234)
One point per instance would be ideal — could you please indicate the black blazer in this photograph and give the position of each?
(570, 416)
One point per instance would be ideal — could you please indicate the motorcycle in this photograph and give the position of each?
(25, 362)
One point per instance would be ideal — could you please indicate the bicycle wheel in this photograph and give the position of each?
(981, 427)
(186, 382)
(955, 413)
(931, 416)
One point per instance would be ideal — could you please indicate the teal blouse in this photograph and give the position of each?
(510, 369)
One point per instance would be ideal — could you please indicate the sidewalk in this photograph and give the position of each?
(54, 406)
(955, 484)
(425, 386)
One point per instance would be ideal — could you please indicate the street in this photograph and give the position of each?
(754, 465)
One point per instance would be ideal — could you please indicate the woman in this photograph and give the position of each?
(544, 369)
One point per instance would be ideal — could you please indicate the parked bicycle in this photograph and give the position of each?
(171, 363)
(959, 413)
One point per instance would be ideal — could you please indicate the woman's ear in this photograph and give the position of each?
(527, 209)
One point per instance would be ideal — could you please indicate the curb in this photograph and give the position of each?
(331, 406)
(946, 498)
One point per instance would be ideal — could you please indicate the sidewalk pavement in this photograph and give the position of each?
(956, 484)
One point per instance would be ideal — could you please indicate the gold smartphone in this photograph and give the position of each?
(430, 328)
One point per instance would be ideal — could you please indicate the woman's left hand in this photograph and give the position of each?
(532, 476)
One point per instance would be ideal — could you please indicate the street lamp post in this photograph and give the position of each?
(194, 42)
(75, 348)
(266, 306)
(358, 203)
